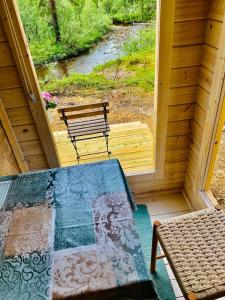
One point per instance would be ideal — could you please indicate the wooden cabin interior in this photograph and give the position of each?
(189, 102)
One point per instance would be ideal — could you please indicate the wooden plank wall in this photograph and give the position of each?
(188, 42)
(17, 107)
(214, 24)
(7, 158)
(189, 27)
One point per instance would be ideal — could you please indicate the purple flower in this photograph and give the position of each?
(50, 101)
(46, 96)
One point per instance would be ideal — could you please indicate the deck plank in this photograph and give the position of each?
(131, 143)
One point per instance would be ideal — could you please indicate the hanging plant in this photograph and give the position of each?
(49, 100)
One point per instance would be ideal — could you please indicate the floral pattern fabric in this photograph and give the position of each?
(69, 232)
(93, 274)
(29, 231)
(117, 238)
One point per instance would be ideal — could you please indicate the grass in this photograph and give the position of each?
(60, 86)
(140, 65)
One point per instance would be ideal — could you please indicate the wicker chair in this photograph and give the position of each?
(194, 245)
(87, 122)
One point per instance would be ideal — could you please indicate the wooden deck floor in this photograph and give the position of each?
(131, 143)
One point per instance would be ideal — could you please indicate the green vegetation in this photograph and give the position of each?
(128, 11)
(136, 67)
(58, 29)
(145, 41)
(76, 34)
(78, 81)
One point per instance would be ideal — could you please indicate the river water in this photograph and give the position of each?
(110, 48)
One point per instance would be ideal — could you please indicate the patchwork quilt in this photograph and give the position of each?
(69, 233)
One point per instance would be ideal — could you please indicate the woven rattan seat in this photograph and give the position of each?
(194, 245)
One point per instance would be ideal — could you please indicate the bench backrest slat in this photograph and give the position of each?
(83, 107)
(86, 114)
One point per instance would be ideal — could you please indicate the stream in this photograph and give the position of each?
(109, 48)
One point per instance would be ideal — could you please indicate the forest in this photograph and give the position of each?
(59, 29)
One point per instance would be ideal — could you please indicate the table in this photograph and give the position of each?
(69, 233)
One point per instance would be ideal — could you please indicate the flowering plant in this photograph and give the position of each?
(50, 101)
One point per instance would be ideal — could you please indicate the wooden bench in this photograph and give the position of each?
(86, 122)
(194, 247)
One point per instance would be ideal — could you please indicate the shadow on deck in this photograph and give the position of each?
(131, 143)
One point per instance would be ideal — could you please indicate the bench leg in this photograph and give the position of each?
(107, 144)
(75, 147)
(154, 246)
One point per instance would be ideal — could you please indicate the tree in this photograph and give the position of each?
(55, 21)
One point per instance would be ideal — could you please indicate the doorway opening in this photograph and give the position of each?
(218, 179)
(216, 176)
(93, 51)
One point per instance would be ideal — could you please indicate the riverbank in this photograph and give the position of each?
(110, 47)
(50, 51)
(127, 83)
(136, 69)
(111, 38)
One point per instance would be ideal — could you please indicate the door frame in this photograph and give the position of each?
(212, 135)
